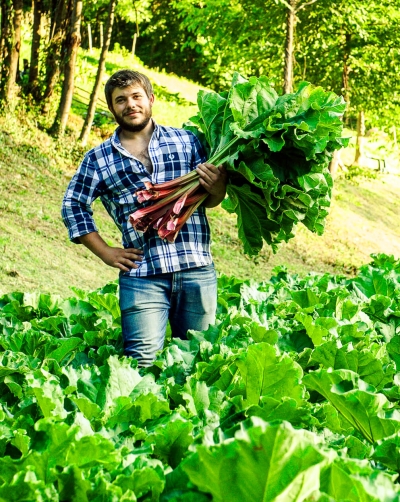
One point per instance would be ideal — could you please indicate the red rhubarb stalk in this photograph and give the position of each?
(176, 182)
(181, 202)
(148, 216)
(170, 230)
(149, 209)
(145, 195)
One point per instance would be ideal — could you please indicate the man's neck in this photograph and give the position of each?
(141, 136)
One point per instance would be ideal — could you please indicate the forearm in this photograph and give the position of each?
(95, 243)
(214, 200)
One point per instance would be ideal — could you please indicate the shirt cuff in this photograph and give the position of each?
(76, 233)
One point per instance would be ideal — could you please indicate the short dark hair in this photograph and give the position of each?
(126, 78)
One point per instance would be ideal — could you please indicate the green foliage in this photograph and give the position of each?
(348, 48)
(292, 394)
(354, 174)
(356, 40)
(163, 93)
(277, 151)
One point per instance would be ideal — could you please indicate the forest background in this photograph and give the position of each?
(56, 55)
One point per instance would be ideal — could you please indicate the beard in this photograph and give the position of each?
(127, 126)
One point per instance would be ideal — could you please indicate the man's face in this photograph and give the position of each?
(131, 107)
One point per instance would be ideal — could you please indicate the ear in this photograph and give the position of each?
(152, 98)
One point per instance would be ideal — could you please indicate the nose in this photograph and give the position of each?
(131, 103)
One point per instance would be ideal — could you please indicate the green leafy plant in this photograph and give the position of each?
(292, 395)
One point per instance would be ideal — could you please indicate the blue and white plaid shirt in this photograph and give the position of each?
(110, 172)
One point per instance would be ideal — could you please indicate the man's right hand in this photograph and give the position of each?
(121, 258)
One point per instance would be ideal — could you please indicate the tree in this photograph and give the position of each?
(359, 157)
(99, 76)
(163, 29)
(353, 49)
(5, 44)
(252, 37)
(356, 54)
(73, 42)
(56, 46)
(347, 46)
(13, 44)
(289, 46)
(133, 13)
(14, 59)
(245, 36)
(33, 79)
(293, 7)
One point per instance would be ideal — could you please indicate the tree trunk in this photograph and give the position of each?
(346, 69)
(360, 139)
(289, 44)
(99, 77)
(134, 44)
(101, 35)
(74, 40)
(89, 32)
(52, 11)
(3, 30)
(336, 164)
(55, 48)
(14, 56)
(6, 45)
(33, 80)
(345, 75)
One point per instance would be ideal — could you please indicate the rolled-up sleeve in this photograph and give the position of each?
(76, 209)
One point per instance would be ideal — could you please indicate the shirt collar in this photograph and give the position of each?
(116, 142)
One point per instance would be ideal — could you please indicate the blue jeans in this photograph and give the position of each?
(188, 299)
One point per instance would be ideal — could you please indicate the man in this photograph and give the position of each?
(159, 281)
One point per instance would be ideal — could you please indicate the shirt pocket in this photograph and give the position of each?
(175, 162)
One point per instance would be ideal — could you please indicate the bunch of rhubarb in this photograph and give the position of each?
(277, 151)
(175, 202)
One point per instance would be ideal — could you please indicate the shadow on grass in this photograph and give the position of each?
(383, 208)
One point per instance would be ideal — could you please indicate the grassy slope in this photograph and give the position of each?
(35, 253)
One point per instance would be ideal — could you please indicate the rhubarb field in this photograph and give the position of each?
(292, 396)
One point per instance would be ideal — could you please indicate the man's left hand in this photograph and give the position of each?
(213, 178)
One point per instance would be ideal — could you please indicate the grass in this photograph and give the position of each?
(35, 253)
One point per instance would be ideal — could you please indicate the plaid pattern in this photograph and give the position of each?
(110, 172)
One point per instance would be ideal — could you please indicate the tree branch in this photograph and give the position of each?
(305, 5)
(287, 4)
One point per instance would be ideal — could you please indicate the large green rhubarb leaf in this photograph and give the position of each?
(265, 373)
(369, 412)
(212, 106)
(388, 453)
(263, 463)
(355, 481)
